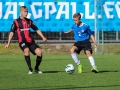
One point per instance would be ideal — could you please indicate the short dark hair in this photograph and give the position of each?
(77, 15)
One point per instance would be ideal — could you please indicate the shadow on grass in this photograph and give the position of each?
(14, 60)
(68, 87)
(106, 71)
(52, 71)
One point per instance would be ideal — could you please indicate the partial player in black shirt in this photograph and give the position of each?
(22, 26)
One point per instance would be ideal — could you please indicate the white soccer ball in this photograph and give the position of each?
(70, 68)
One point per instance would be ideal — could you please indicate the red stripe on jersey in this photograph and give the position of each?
(18, 32)
(26, 31)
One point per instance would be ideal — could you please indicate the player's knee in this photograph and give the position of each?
(26, 51)
(38, 52)
(88, 53)
(71, 50)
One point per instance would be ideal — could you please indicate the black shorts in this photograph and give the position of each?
(32, 46)
(83, 45)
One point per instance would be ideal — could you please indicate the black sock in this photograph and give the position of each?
(38, 61)
(28, 61)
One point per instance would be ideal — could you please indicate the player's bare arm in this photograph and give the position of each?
(9, 39)
(68, 31)
(42, 36)
(93, 39)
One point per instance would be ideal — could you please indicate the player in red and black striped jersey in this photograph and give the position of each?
(22, 26)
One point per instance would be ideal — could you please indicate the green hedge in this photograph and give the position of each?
(59, 49)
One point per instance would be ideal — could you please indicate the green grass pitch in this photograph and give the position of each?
(13, 73)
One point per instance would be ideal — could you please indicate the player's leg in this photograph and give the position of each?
(76, 49)
(38, 52)
(35, 49)
(92, 61)
(28, 60)
(26, 51)
(88, 51)
(73, 54)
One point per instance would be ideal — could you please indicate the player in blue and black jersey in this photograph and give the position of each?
(26, 42)
(82, 34)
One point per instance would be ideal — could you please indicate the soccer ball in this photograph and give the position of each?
(70, 68)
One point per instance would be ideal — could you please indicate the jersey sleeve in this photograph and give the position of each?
(13, 27)
(89, 30)
(33, 26)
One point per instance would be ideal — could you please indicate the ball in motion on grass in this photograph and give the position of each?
(70, 68)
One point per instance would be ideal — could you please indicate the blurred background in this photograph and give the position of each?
(54, 17)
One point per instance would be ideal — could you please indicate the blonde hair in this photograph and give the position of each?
(77, 15)
(23, 7)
